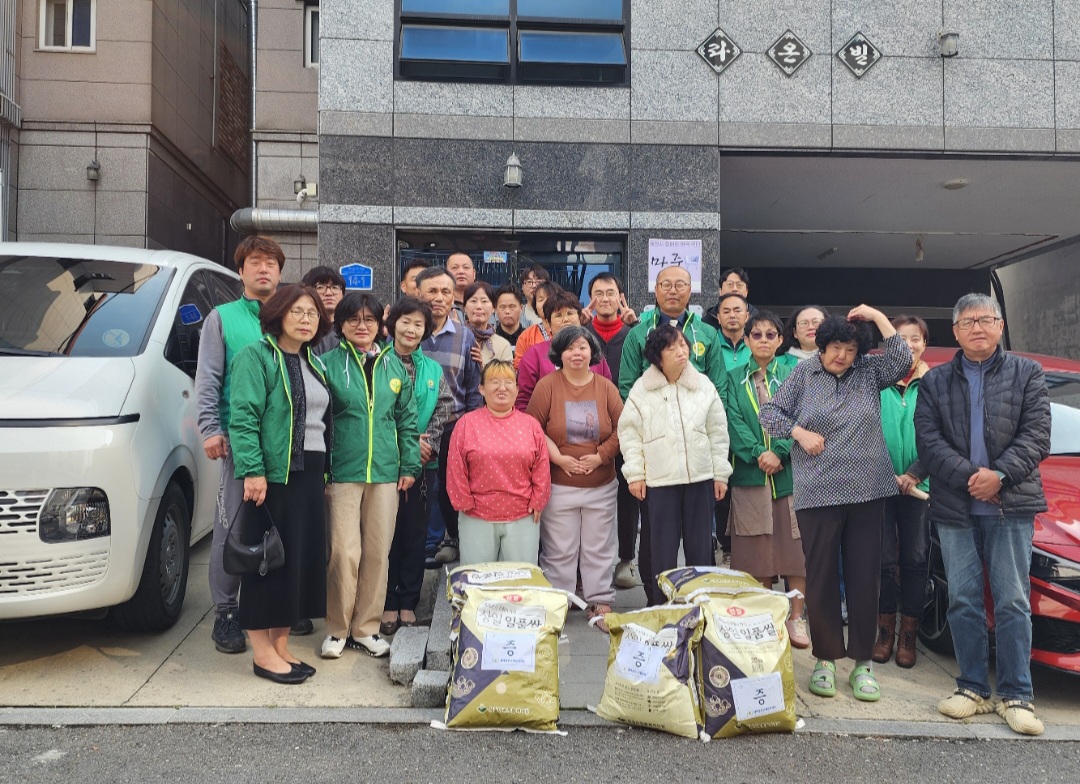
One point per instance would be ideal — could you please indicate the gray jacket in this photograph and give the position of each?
(210, 376)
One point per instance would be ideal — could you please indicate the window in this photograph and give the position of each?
(68, 25)
(203, 292)
(516, 41)
(311, 36)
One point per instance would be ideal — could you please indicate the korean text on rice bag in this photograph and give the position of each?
(652, 672)
(745, 656)
(496, 573)
(506, 662)
(678, 584)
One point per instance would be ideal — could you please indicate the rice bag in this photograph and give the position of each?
(747, 679)
(495, 573)
(652, 670)
(678, 584)
(506, 660)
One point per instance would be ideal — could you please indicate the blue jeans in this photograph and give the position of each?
(1004, 544)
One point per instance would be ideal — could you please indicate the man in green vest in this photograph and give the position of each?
(672, 298)
(227, 329)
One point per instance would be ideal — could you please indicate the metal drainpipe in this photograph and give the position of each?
(254, 13)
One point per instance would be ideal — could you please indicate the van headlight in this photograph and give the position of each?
(74, 513)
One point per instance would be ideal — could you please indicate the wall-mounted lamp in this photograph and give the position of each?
(948, 43)
(515, 175)
(93, 171)
(299, 185)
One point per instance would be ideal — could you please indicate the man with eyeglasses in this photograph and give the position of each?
(531, 278)
(672, 298)
(732, 281)
(330, 287)
(982, 426)
(228, 329)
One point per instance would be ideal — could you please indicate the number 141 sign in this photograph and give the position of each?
(675, 253)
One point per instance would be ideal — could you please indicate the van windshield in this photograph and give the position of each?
(77, 307)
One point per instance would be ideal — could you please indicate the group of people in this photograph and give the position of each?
(473, 424)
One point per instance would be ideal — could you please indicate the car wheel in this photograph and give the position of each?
(160, 596)
(934, 628)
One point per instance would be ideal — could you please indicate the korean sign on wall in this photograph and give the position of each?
(675, 253)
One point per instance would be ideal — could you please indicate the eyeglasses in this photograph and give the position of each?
(984, 321)
(770, 335)
(326, 288)
(356, 321)
(678, 285)
(304, 315)
(530, 282)
(804, 323)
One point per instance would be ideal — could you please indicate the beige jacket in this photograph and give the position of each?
(674, 433)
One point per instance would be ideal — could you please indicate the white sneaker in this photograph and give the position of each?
(626, 575)
(332, 648)
(375, 645)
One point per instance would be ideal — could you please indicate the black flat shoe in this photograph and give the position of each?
(303, 667)
(290, 677)
(387, 628)
(407, 624)
(302, 627)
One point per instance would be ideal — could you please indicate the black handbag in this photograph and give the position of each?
(252, 548)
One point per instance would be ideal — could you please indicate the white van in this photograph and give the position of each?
(104, 484)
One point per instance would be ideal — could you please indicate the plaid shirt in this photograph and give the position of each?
(451, 347)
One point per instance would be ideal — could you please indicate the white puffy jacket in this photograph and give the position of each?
(674, 433)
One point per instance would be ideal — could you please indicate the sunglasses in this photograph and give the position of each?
(758, 335)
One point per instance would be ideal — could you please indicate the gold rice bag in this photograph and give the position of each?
(747, 679)
(495, 573)
(678, 584)
(652, 670)
(506, 660)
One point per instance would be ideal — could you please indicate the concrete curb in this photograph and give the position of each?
(91, 717)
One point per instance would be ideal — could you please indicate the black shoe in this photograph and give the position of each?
(430, 562)
(304, 667)
(227, 635)
(302, 627)
(292, 676)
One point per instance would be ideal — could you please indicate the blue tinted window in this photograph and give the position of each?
(608, 10)
(469, 7)
(557, 47)
(455, 44)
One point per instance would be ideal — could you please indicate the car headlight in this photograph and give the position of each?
(1055, 569)
(74, 513)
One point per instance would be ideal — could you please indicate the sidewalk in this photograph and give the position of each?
(73, 671)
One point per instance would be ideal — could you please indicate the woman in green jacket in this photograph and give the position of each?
(411, 321)
(279, 432)
(376, 454)
(765, 540)
(905, 541)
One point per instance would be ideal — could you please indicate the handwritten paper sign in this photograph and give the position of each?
(675, 253)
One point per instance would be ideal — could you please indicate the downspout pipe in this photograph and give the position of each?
(254, 219)
(254, 30)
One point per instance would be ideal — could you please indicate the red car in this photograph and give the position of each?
(1055, 556)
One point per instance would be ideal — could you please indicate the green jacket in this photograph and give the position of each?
(898, 426)
(426, 392)
(734, 357)
(375, 427)
(240, 328)
(748, 440)
(261, 426)
(705, 352)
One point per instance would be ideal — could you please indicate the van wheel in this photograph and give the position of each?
(160, 596)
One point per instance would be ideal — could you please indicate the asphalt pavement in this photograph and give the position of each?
(70, 671)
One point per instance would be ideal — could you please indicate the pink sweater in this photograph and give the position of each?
(498, 467)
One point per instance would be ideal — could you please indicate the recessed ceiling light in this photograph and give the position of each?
(826, 253)
(954, 185)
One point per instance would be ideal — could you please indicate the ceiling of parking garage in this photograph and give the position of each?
(786, 211)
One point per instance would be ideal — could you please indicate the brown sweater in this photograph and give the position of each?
(581, 421)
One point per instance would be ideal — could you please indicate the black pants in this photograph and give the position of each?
(449, 513)
(627, 508)
(721, 512)
(406, 575)
(677, 514)
(854, 529)
(905, 542)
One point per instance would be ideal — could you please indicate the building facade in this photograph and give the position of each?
(836, 168)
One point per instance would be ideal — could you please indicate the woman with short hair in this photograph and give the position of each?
(479, 308)
(376, 455)
(579, 412)
(497, 474)
(280, 430)
(800, 331)
(537, 331)
(674, 439)
(830, 406)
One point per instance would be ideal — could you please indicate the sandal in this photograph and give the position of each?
(595, 613)
(864, 685)
(823, 679)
